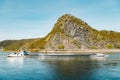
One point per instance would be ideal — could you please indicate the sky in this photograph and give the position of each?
(22, 19)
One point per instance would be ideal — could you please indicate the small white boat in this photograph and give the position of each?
(99, 55)
(22, 53)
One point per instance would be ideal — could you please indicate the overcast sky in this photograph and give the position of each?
(21, 19)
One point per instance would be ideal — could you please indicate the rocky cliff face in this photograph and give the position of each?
(72, 33)
(69, 33)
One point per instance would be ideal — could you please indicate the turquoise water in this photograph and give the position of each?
(60, 68)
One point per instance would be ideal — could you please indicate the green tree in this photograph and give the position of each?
(61, 46)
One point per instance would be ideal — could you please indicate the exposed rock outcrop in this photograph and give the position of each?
(73, 33)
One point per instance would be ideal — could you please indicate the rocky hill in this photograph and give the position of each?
(68, 33)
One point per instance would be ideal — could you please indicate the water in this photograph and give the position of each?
(60, 68)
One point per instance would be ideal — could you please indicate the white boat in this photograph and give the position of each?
(22, 53)
(99, 55)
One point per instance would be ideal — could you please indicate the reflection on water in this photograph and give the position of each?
(60, 68)
(15, 61)
(70, 68)
(98, 58)
(70, 58)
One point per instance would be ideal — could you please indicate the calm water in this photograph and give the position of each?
(60, 68)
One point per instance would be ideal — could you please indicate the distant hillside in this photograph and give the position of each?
(68, 33)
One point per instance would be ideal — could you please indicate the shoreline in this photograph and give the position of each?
(81, 51)
(75, 51)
